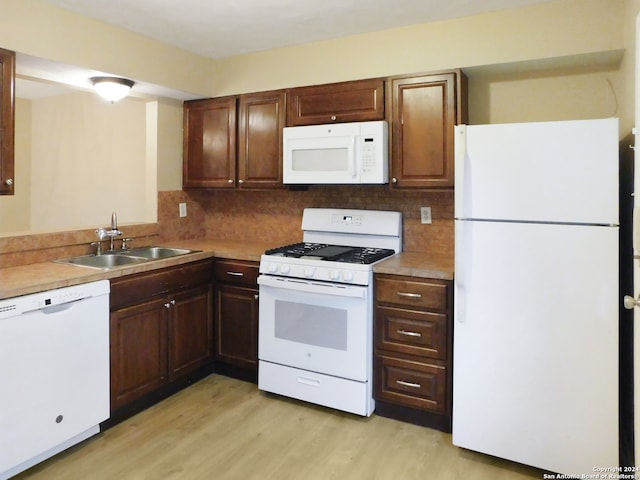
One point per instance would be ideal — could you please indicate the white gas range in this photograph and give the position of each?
(315, 339)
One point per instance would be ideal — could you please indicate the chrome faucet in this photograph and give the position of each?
(111, 233)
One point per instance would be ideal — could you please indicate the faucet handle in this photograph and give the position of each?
(126, 242)
(98, 246)
(102, 233)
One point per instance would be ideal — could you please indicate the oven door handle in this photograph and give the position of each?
(297, 285)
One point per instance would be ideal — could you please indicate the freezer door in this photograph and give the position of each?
(543, 171)
(536, 344)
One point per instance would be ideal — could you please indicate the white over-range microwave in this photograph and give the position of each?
(341, 153)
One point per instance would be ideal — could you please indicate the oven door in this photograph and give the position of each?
(316, 326)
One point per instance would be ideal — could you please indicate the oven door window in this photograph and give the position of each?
(316, 325)
(317, 331)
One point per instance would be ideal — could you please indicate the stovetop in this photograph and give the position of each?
(331, 253)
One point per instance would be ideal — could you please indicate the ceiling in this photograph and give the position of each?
(218, 29)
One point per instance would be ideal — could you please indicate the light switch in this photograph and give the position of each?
(425, 215)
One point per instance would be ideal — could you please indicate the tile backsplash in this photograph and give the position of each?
(275, 216)
(266, 216)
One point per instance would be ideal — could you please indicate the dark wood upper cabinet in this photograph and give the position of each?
(234, 142)
(7, 121)
(261, 119)
(361, 100)
(424, 110)
(209, 156)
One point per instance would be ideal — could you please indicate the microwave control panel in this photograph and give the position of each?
(373, 152)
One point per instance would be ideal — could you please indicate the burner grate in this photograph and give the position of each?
(332, 253)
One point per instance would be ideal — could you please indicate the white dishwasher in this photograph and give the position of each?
(54, 372)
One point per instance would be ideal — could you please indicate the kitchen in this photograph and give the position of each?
(579, 91)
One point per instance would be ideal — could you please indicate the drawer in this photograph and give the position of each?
(131, 289)
(412, 332)
(431, 294)
(334, 392)
(413, 384)
(236, 271)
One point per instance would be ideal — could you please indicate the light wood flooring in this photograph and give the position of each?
(226, 429)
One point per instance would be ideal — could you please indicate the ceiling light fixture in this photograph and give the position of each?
(112, 89)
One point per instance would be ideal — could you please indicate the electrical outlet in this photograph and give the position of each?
(182, 207)
(425, 214)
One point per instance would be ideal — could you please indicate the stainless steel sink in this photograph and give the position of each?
(155, 253)
(105, 261)
(109, 260)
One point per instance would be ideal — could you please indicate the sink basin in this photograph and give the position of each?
(104, 261)
(110, 260)
(155, 253)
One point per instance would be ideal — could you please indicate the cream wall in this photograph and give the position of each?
(169, 145)
(89, 159)
(564, 28)
(37, 28)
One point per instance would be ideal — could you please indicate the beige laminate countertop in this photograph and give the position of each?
(26, 279)
(417, 264)
(38, 277)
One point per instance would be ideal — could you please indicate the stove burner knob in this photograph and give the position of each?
(285, 269)
(272, 267)
(347, 276)
(334, 275)
(309, 272)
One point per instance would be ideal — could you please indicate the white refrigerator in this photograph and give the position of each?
(535, 369)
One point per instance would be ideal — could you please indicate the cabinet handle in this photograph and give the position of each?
(256, 296)
(394, 180)
(408, 333)
(240, 181)
(230, 181)
(168, 305)
(9, 181)
(408, 384)
(333, 117)
(409, 295)
(236, 274)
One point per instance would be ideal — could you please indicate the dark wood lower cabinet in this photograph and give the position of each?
(413, 334)
(236, 319)
(161, 335)
(190, 325)
(138, 351)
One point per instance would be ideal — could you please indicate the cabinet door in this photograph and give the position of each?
(190, 330)
(7, 116)
(261, 119)
(236, 321)
(357, 101)
(424, 111)
(138, 351)
(209, 157)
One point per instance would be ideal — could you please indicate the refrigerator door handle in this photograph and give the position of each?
(460, 153)
(636, 230)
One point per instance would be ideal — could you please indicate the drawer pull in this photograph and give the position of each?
(408, 333)
(236, 274)
(408, 384)
(409, 295)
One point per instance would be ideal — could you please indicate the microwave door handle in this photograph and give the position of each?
(354, 165)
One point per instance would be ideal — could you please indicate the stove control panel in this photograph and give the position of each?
(310, 270)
